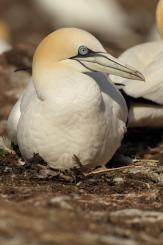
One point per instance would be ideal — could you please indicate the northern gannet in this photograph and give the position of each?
(72, 109)
(4, 38)
(145, 102)
(105, 18)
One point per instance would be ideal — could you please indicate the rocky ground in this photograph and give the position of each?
(120, 206)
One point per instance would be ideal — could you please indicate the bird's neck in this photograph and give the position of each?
(46, 79)
(61, 80)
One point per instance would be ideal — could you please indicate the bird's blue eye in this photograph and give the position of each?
(83, 50)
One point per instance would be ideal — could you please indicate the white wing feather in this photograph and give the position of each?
(18, 108)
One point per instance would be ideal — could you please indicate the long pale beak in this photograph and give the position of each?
(104, 62)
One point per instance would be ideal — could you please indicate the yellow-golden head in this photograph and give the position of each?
(159, 17)
(77, 50)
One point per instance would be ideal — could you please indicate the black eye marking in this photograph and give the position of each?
(83, 51)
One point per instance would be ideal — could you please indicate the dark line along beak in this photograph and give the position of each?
(104, 62)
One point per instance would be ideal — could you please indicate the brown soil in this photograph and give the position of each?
(121, 206)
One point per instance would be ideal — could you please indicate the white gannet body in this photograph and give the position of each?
(4, 38)
(74, 110)
(146, 102)
(105, 18)
(15, 114)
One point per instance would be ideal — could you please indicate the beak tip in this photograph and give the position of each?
(141, 76)
(137, 74)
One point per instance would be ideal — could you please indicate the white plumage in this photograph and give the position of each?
(19, 107)
(71, 110)
(4, 46)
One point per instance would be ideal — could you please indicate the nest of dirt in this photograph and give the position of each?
(117, 206)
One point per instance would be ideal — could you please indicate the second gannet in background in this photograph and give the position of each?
(74, 110)
(105, 18)
(145, 102)
(4, 38)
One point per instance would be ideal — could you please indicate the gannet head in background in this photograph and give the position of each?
(159, 17)
(5, 37)
(4, 32)
(77, 50)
